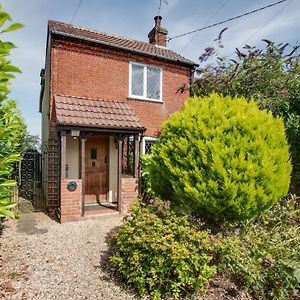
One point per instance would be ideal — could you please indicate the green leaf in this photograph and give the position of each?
(7, 213)
(5, 47)
(8, 183)
(4, 17)
(9, 206)
(11, 68)
(296, 274)
(9, 45)
(13, 27)
(6, 76)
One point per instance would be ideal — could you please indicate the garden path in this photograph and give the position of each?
(41, 259)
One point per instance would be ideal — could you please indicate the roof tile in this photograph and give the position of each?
(117, 41)
(80, 111)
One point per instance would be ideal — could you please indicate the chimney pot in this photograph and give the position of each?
(157, 20)
(158, 35)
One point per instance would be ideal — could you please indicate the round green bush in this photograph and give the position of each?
(221, 158)
(162, 254)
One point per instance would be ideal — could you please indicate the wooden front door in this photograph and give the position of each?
(96, 169)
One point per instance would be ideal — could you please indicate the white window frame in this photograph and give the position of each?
(147, 139)
(144, 97)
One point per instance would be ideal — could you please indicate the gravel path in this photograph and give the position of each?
(41, 259)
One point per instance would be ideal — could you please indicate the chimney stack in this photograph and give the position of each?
(158, 35)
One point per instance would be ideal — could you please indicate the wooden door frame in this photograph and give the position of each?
(83, 139)
(83, 153)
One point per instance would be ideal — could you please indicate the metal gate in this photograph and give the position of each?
(28, 174)
(30, 178)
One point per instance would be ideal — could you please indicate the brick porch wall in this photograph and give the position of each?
(130, 192)
(70, 206)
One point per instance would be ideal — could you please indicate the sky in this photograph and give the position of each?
(134, 19)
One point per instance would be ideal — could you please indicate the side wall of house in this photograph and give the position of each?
(97, 72)
(53, 160)
(45, 125)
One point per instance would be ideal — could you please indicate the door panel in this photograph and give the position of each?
(96, 164)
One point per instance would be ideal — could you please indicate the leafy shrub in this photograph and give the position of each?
(265, 256)
(221, 158)
(162, 254)
(147, 191)
(12, 127)
(270, 75)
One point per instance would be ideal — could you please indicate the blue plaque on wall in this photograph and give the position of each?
(72, 186)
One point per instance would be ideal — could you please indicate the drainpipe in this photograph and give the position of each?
(191, 82)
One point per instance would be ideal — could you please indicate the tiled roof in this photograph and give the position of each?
(99, 113)
(117, 41)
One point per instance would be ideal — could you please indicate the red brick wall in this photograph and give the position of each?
(97, 72)
(70, 207)
(129, 192)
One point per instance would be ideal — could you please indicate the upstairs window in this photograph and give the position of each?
(145, 82)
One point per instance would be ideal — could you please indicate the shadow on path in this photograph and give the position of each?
(28, 224)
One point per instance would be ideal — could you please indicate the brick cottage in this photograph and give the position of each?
(103, 101)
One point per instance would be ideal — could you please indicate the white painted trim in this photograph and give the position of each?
(144, 97)
(161, 85)
(145, 82)
(147, 139)
(130, 78)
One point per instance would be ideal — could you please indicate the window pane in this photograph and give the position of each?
(148, 146)
(130, 147)
(93, 153)
(153, 83)
(137, 80)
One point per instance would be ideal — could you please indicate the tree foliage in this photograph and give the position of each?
(12, 127)
(221, 158)
(265, 256)
(271, 76)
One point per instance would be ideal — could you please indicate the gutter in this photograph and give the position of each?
(48, 44)
(99, 129)
(41, 90)
(122, 48)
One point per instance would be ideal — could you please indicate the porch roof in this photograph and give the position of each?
(97, 113)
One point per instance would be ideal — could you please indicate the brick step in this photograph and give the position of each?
(91, 210)
(95, 213)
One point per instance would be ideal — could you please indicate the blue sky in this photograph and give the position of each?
(134, 19)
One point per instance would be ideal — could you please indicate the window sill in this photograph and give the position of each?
(144, 99)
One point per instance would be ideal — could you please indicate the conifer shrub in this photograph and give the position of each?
(221, 158)
(162, 254)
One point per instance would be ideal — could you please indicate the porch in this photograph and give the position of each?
(99, 164)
